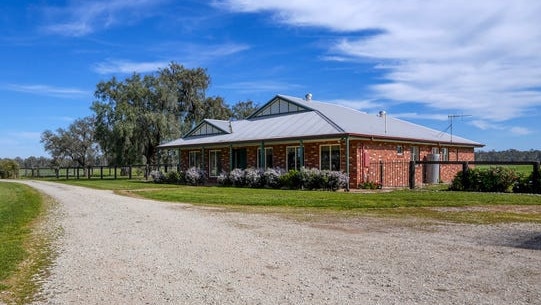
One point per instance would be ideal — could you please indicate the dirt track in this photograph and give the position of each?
(121, 250)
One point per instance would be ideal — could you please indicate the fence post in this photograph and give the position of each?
(536, 177)
(101, 172)
(381, 173)
(129, 172)
(465, 182)
(77, 175)
(115, 172)
(412, 174)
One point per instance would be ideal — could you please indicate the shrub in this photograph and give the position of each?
(172, 177)
(494, 179)
(9, 169)
(336, 180)
(195, 176)
(223, 179)
(157, 176)
(313, 179)
(292, 179)
(253, 177)
(271, 177)
(370, 185)
(236, 177)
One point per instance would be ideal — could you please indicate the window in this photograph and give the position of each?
(293, 156)
(215, 163)
(415, 153)
(268, 158)
(399, 150)
(329, 157)
(435, 150)
(194, 159)
(444, 154)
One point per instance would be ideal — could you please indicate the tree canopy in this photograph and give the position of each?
(134, 116)
(75, 143)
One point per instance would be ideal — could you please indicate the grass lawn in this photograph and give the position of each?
(21, 254)
(424, 203)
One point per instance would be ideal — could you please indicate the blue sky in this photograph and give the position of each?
(418, 60)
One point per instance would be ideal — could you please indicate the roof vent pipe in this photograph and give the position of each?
(308, 97)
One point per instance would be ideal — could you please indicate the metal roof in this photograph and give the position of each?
(321, 120)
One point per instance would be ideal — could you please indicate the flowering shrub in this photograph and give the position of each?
(195, 176)
(223, 179)
(253, 177)
(336, 180)
(158, 177)
(236, 177)
(272, 177)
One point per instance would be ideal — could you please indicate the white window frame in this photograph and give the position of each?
(415, 153)
(215, 157)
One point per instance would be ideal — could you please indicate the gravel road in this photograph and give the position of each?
(122, 250)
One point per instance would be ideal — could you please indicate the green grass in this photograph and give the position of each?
(424, 203)
(21, 252)
(525, 170)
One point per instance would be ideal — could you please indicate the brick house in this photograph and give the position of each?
(289, 133)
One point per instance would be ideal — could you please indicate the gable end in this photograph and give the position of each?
(278, 106)
(205, 129)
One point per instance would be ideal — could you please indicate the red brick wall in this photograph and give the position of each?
(364, 159)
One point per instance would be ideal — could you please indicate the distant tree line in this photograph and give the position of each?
(131, 117)
(508, 155)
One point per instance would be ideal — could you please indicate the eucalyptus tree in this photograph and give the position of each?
(75, 143)
(137, 114)
(242, 110)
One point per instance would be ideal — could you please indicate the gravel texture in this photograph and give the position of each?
(122, 250)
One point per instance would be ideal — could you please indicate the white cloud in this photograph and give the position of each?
(47, 90)
(128, 67)
(476, 57)
(260, 86)
(81, 18)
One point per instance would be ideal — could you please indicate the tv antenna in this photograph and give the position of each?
(451, 118)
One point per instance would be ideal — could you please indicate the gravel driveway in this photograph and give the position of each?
(121, 250)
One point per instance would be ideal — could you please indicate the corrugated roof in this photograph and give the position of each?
(324, 119)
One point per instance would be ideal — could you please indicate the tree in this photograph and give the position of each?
(76, 142)
(9, 169)
(242, 110)
(136, 115)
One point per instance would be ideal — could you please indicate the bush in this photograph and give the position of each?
(236, 177)
(158, 177)
(9, 169)
(195, 176)
(494, 179)
(223, 179)
(172, 177)
(336, 180)
(292, 179)
(272, 177)
(253, 177)
(370, 185)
